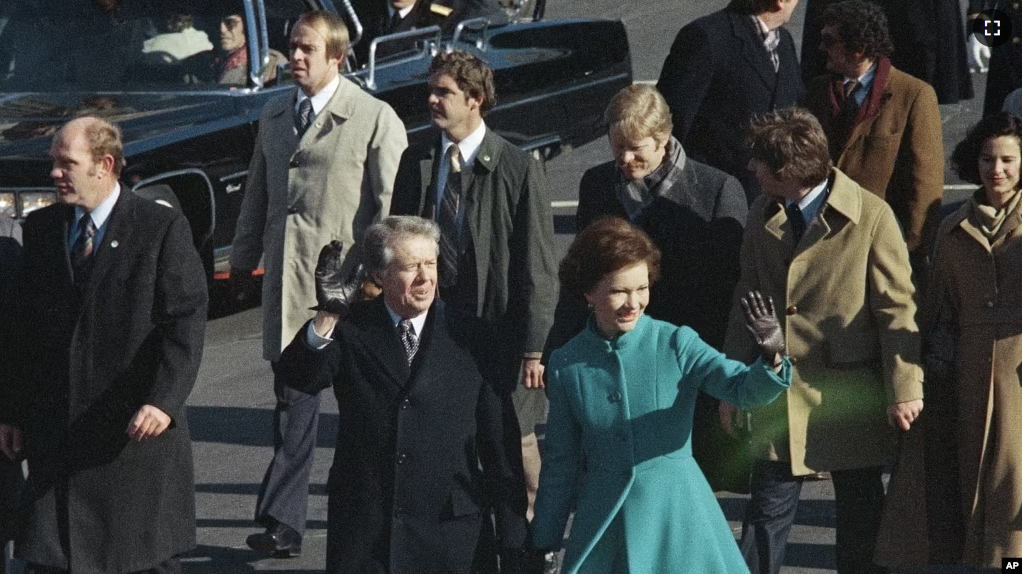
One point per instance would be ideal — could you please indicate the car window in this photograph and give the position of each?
(60, 45)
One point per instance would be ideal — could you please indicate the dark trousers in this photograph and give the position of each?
(774, 498)
(169, 566)
(284, 494)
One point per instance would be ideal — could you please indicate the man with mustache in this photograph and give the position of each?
(322, 170)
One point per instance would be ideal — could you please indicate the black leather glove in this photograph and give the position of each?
(334, 292)
(242, 284)
(763, 324)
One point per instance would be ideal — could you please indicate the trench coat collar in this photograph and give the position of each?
(486, 161)
(339, 108)
(842, 199)
(864, 126)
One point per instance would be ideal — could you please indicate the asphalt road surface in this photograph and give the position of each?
(231, 406)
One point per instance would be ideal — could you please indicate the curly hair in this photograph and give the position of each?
(605, 246)
(862, 26)
(792, 144)
(473, 75)
(967, 152)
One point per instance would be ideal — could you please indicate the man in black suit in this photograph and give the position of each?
(497, 232)
(392, 16)
(722, 70)
(418, 414)
(111, 320)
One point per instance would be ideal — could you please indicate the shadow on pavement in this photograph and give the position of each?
(221, 560)
(250, 488)
(248, 426)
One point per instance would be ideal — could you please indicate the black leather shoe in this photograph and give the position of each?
(281, 540)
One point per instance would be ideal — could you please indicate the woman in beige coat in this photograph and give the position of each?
(975, 337)
(955, 497)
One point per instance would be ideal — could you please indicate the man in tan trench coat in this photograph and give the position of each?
(322, 170)
(831, 255)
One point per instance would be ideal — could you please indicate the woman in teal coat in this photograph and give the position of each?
(623, 392)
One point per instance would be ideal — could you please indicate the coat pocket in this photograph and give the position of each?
(462, 503)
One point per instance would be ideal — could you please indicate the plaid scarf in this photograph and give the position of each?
(636, 195)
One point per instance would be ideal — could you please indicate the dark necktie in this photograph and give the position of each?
(447, 219)
(849, 106)
(305, 116)
(81, 251)
(795, 216)
(393, 23)
(408, 339)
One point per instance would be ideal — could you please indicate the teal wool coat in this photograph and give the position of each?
(628, 404)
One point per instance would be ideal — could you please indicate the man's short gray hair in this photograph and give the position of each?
(381, 238)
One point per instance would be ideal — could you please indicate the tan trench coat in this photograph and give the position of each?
(984, 284)
(301, 195)
(846, 302)
(897, 154)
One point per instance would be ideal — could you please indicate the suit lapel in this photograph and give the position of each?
(384, 344)
(118, 229)
(752, 49)
(864, 126)
(428, 167)
(432, 341)
(60, 234)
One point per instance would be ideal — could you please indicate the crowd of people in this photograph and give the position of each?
(762, 289)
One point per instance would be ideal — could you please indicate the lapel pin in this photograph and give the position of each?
(114, 243)
(486, 157)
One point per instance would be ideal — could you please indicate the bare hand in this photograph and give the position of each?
(763, 324)
(532, 374)
(10, 441)
(148, 422)
(728, 414)
(902, 415)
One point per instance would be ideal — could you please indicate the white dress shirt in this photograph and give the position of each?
(320, 98)
(316, 342)
(468, 148)
(99, 219)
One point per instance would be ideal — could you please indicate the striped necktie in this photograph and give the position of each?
(447, 219)
(408, 339)
(81, 252)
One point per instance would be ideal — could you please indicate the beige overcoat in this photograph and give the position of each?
(982, 412)
(845, 300)
(302, 194)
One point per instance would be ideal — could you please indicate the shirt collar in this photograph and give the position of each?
(418, 322)
(469, 146)
(320, 98)
(811, 203)
(403, 12)
(867, 78)
(102, 212)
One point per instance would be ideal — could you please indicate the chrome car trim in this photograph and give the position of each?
(189, 171)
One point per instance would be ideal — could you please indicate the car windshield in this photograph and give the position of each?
(121, 45)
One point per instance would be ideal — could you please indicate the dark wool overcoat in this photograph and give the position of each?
(101, 503)
(406, 488)
(717, 76)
